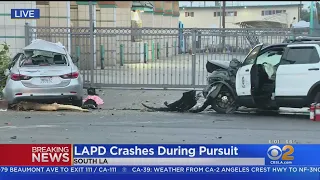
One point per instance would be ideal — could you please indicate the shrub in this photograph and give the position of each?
(4, 63)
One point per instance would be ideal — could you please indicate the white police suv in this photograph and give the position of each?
(280, 75)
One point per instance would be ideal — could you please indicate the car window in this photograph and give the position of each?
(271, 57)
(314, 57)
(16, 57)
(14, 60)
(252, 56)
(301, 55)
(41, 58)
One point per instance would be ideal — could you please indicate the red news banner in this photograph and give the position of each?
(35, 155)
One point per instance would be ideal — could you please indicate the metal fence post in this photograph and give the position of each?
(152, 51)
(121, 55)
(78, 52)
(27, 34)
(194, 49)
(145, 52)
(91, 44)
(185, 43)
(175, 47)
(102, 56)
(167, 49)
(158, 50)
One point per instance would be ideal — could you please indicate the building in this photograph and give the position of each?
(109, 13)
(76, 14)
(210, 17)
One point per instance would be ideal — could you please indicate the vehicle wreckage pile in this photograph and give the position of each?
(266, 79)
(219, 93)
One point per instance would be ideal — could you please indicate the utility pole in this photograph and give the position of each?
(220, 20)
(311, 17)
(223, 22)
(223, 14)
(299, 11)
(91, 59)
(301, 5)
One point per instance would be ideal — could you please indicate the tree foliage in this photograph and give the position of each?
(305, 15)
(4, 63)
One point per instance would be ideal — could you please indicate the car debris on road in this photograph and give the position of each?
(3, 105)
(92, 101)
(27, 106)
(185, 103)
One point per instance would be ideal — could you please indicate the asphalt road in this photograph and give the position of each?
(136, 126)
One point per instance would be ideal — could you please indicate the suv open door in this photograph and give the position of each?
(243, 78)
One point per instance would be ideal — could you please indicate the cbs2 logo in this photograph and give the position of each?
(284, 153)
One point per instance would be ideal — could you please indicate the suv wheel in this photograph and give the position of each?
(224, 101)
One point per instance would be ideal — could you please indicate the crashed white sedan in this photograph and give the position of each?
(43, 72)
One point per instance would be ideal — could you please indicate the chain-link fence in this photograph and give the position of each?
(155, 57)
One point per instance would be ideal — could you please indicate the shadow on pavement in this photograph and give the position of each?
(261, 114)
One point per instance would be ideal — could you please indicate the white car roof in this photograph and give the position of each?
(43, 45)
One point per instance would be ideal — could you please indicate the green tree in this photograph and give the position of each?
(4, 63)
(305, 15)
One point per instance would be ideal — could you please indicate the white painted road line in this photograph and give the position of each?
(26, 127)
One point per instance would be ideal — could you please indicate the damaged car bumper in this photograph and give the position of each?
(15, 92)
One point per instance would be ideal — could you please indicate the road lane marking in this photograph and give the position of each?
(27, 127)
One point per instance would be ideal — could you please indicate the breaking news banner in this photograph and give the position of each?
(153, 161)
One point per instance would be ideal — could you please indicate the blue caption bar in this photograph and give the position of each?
(25, 13)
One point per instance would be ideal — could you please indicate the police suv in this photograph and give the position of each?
(280, 75)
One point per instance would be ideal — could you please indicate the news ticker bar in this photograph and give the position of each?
(169, 161)
(156, 169)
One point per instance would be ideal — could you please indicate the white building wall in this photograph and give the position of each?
(204, 16)
(12, 31)
(58, 14)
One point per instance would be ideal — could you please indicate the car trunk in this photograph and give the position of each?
(45, 76)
